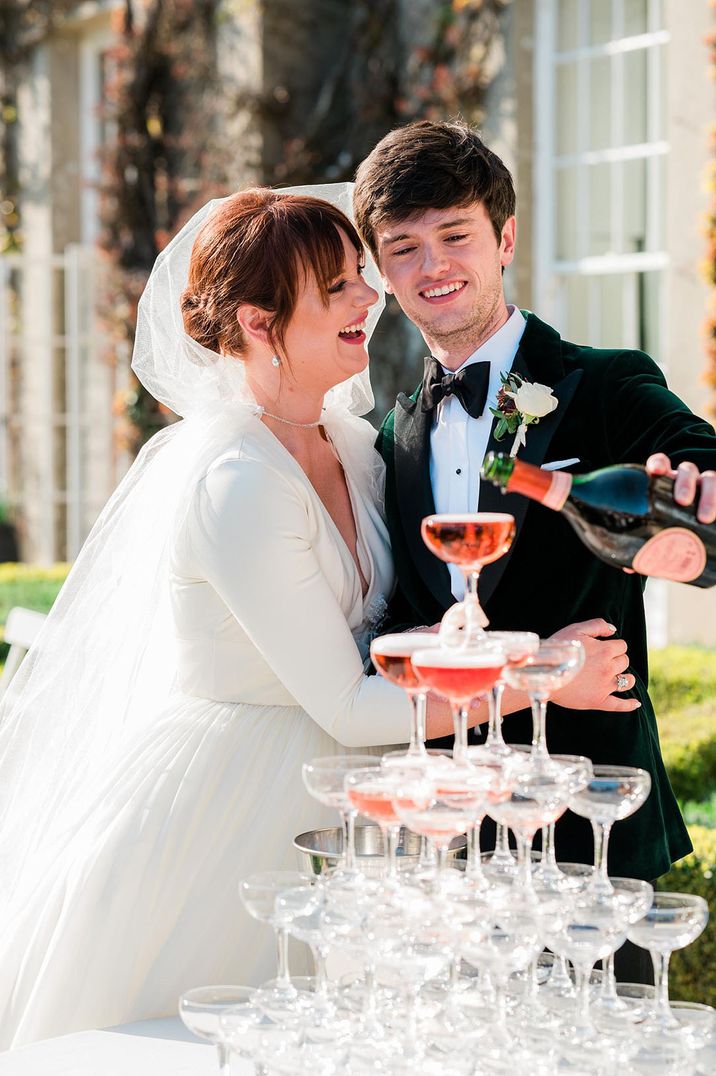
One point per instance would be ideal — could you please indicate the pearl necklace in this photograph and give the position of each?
(290, 422)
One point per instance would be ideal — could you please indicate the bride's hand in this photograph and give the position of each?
(605, 658)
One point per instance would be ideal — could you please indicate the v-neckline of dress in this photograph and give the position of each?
(353, 497)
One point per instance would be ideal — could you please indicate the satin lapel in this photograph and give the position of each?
(414, 492)
(491, 498)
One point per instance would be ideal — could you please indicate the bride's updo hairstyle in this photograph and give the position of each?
(257, 248)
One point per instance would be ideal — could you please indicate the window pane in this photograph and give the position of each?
(635, 97)
(650, 285)
(634, 179)
(566, 214)
(655, 202)
(600, 22)
(567, 108)
(600, 202)
(635, 17)
(612, 292)
(568, 23)
(574, 323)
(663, 72)
(657, 14)
(600, 104)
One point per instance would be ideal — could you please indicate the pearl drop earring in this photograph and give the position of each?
(275, 361)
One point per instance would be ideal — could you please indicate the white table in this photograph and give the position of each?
(149, 1048)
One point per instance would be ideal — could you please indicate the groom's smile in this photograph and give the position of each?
(442, 293)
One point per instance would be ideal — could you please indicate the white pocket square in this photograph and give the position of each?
(559, 465)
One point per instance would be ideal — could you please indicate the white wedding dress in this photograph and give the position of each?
(272, 633)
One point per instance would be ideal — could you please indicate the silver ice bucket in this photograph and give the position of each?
(319, 850)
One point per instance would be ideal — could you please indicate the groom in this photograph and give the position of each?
(436, 207)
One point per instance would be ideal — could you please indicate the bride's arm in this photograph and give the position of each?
(252, 537)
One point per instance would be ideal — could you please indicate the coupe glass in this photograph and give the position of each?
(440, 820)
(610, 794)
(391, 656)
(370, 792)
(517, 645)
(634, 898)
(552, 667)
(472, 788)
(538, 798)
(592, 930)
(469, 541)
(576, 770)
(368, 931)
(462, 677)
(243, 1026)
(258, 893)
(303, 909)
(202, 1008)
(411, 964)
(673, 921)
(509, 945)
(325, 779)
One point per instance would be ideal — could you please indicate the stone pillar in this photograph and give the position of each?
(35, 421)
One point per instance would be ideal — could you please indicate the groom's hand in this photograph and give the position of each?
(605, 658)
(688, 481)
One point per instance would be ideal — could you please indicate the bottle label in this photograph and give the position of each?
(558, 490)
(674, 553)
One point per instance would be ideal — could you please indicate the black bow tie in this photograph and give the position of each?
(469, 385)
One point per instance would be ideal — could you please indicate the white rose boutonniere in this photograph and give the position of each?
(521, 404)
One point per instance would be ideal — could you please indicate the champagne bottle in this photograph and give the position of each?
(625, 516)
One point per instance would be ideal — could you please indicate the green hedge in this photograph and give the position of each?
(30, 585)
(693, 969)
(682, 683)
(681, 677)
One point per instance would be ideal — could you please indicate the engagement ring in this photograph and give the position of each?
(622, 682)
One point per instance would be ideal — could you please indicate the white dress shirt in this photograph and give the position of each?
(458, 442)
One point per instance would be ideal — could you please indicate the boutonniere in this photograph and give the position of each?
(520, 404)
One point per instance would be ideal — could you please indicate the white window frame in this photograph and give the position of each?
(92, 45)
(549, 271)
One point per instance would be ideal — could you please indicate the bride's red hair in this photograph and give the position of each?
(256, 248)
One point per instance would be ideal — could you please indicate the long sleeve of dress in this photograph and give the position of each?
(253, 536)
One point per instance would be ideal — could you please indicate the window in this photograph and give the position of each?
(600, 167)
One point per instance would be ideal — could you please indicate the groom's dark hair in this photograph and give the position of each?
(428, 165)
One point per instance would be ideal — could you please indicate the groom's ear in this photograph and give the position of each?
(507, 243)
(386, 283)
(254, 322)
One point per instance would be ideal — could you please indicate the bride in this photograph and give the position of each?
(212, 635)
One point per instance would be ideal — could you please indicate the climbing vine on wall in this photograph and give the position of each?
(23, 23)
(449, 76)
(160, 161)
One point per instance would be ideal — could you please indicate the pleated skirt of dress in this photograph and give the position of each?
(143, 901)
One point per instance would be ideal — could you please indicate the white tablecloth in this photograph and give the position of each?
(150, 1048)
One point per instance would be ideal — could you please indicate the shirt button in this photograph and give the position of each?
(459, 470)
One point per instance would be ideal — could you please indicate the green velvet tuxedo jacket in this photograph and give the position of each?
(614, 407)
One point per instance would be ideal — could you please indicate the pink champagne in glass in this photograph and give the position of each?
(391, 656)
(470, 541)
(461, 677)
